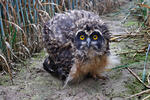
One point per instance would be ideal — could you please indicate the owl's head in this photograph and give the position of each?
(89, 39)
(91, 35)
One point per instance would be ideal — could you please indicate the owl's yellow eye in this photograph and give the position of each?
(95, 37)
(82, 37)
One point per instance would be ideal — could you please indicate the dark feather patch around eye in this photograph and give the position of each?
(95, 36)
(100, 38)
(81, 36)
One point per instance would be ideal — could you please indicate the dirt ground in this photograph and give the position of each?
(40, 85)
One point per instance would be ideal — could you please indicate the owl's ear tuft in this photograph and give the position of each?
(105, 31)
(72, 39)
(87, 28)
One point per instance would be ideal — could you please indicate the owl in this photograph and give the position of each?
(77, 42)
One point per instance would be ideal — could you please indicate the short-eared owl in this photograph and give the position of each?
(77, 42)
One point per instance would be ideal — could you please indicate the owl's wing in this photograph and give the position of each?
(59, 48)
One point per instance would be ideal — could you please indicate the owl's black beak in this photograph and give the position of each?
(88, 42)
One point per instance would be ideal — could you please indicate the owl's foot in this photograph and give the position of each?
(100, 77)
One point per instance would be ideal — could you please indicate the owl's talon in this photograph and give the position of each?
(103, 77)
(96, 77)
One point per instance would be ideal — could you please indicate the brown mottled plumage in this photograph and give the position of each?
(77, 42)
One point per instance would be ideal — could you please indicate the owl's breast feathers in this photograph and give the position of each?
(91, 64)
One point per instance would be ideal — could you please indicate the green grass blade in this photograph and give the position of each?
(144, 70)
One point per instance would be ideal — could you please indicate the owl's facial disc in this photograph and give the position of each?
(86, 41)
